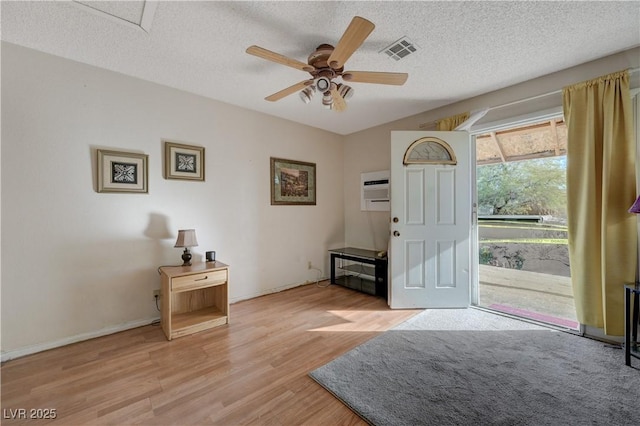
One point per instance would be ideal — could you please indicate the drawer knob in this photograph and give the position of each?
(202, 279)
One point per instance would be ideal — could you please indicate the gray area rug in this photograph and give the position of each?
(470, 367)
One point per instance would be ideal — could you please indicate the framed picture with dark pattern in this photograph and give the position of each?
(120, 171)
(183, 161)
(292, 182)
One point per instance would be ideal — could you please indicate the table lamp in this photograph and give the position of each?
(635, 208)
(186, 239)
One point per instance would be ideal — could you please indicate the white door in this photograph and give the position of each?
(430, 239)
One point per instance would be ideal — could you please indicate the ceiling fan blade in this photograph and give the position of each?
(355, 34)
(338, 101)
(395, 78)
(288, 91)
(278, 58)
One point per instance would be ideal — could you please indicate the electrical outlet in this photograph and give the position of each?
(156, 293)
(309, 265)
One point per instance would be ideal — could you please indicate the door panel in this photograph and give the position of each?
(415, 263)
(430, 244)
(416, 204)
(446, 264)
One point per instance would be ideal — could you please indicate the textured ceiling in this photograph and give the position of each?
(465, 48)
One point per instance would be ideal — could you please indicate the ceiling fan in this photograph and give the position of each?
(326, 64)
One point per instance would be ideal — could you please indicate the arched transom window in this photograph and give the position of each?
(429, 150)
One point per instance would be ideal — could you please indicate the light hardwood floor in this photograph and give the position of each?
(252, 371)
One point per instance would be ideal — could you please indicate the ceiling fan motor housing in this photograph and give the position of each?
(319, 57)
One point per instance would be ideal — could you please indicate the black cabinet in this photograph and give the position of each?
(360, 269)
(631, 344)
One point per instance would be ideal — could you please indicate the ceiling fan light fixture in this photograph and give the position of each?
(327, 100)
(345, 91)
(307, 93)
(323, 84)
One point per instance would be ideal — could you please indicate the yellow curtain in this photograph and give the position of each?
(451, 123)
(600, 188)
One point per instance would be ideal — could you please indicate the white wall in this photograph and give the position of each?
(77, 263)
(370, 150)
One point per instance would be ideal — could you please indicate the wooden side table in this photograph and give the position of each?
(194, 298)
(631, 348)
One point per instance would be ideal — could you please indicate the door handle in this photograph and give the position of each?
(396, 234)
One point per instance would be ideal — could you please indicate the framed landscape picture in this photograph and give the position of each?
(292, 182)
(183, 161)
(122, 171)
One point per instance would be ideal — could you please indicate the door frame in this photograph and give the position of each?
(522, 120)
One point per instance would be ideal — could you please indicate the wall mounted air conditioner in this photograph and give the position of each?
(374, 191)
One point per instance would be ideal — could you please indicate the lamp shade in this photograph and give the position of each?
(635, 208)
(186, 238)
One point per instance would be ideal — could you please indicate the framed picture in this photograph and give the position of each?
(183, 161)
(122, 171)
(292, 182)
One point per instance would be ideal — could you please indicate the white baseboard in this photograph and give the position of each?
(598, 334)
(273, 290)
(29, 350)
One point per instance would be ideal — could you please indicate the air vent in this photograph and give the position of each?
(400, 49)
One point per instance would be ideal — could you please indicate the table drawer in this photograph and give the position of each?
(205, 279)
